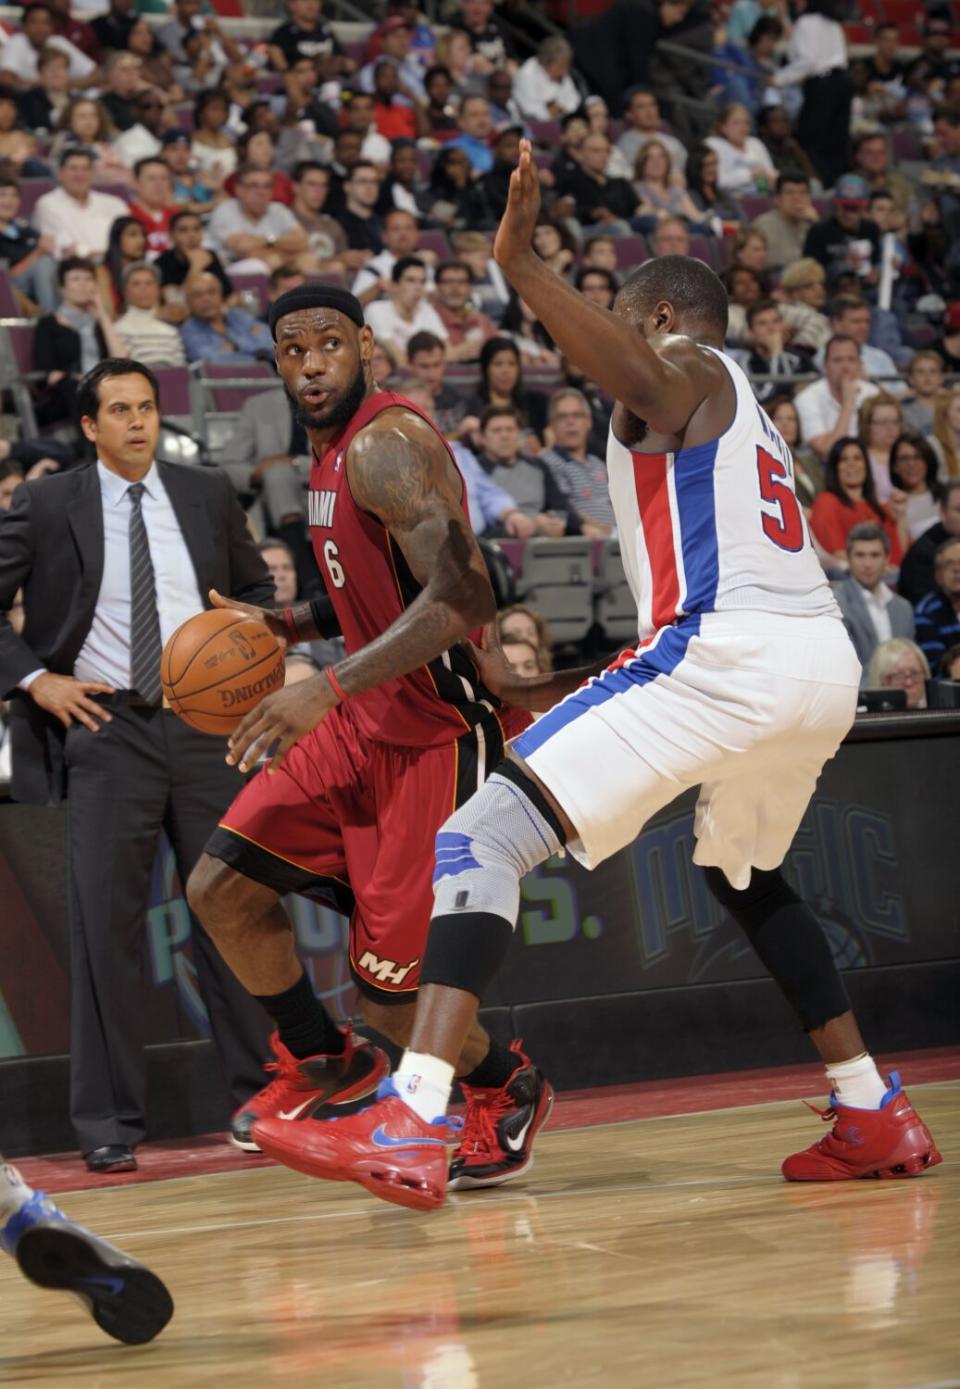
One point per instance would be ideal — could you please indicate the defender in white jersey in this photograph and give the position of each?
(743, 682)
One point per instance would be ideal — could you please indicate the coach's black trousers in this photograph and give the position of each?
(142, 772)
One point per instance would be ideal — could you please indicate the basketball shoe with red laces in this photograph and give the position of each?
(892, 1141)
(301, 1086)
(499, 1127)
(386, 1147)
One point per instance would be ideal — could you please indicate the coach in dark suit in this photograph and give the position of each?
(111, 559)
(872, 613)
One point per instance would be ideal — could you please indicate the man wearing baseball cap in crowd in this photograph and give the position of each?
(847, 239)
(191, 191)
(396, 41)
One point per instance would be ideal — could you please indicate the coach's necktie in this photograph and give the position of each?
(145, 643)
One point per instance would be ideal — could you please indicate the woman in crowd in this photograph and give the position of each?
(87, 122)
(455, 53)
(596, 114)
(536, 346)
(880, 421)
(501, 383)
(750, 250)
(526, 624)
(156, 62)
(849, 498)
(258, 147)
(491, 293)
(440, 110)
(808, 472)
(450, 187)
(212, 149)
(659, 189)
(555, 246)
(717, 211)
(402, 187)
(383, 365)
(745, 163)
(126, 245)
(745, 287)
(72, 341)
(18, 147)
(913, 469)
(899, 664)
(945, 439)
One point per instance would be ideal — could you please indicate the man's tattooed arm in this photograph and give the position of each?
(400, 472)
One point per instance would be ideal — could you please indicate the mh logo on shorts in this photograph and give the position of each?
(386, 971)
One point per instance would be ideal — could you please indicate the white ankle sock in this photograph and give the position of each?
(424, 1083)
(857, 1082)
(14, 1192)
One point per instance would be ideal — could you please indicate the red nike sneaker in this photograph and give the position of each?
(386, 1147)
(499, 1127)
(302, 1086)
(892, 1141)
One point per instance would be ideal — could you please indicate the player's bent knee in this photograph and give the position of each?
(482, 852)
(217, 893)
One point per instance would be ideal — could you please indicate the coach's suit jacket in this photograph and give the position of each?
(856, 619)
(51, 546)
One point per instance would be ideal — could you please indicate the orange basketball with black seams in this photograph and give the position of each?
(218, 666)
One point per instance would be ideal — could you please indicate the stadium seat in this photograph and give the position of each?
(31, 190)
(177, 402)
(16, 369)
(631, 250)
(755, 205)
(226, 387)
(435, 241)
(615, 611)
(557, 580)
(546, 379)
(257, 285)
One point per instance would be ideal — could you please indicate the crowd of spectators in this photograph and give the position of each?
(179, 177)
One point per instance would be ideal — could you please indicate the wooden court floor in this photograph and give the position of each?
(663, 1252)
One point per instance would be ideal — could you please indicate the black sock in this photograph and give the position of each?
(304, 1025)
(495, 1069)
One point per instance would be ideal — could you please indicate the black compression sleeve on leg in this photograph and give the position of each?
(465, 950)
(789, 940)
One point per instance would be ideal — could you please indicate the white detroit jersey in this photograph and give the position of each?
(718, 526)
(746, 681)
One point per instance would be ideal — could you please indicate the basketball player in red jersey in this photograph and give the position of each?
(368, 758)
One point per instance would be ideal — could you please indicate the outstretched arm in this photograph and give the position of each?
(609, 351)
(400, 472)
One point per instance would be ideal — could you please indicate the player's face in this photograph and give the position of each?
(127, 424)
(324, 360)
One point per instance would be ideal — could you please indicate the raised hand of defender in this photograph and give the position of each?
(515, 233)
(279, 721)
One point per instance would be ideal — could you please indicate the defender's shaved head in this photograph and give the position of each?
(697, 296)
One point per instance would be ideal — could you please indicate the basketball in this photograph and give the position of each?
(218, 666)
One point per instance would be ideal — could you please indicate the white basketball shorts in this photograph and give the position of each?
(749, 706)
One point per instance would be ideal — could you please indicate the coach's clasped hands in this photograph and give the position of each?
(278, 721)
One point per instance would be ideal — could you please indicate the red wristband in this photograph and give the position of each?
(291, 625)
(335, 685)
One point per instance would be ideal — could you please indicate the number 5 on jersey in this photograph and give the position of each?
(331, 556)
(784, 525)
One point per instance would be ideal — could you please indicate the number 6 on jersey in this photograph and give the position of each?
(331, 556)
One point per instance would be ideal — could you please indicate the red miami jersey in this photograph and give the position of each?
(716, 527)
(370, 585)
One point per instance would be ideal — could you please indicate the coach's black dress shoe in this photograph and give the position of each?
(115, 1157)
